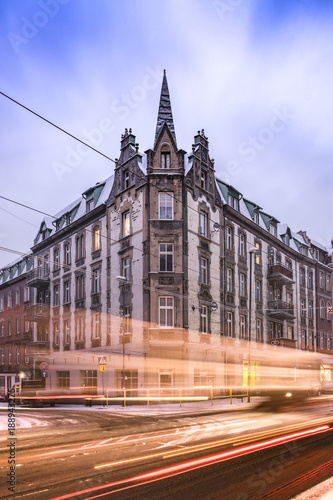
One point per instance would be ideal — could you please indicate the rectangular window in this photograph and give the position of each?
(96, 284)
(166, 257)
(242, 327)
(80, 287)
(230, 280)
(67, 254)
(203, 180)
(127, 319)
(80, 247)
(290, 333)
(2, 328)
(303, 310)
(79, 328)
(259, 332)
(310, 312)
(229, 238)
(17, 296)
(242, 285)
(67, 337)
(67, 292)
(328, 282)
(126, 268)
(17, 325)
(289, 299)
(321, 279)
(90, 205)
(165, 160)
(126, 180)
(203, 221)
(63, 380)
(126, 224)
(9, 327)
(56, 294)
(89, 382)
(2, 302)
(26, 356)
(97, 238)
(56, 259)
(166, 305)
(256, 217)
(56, 333)
(204, 319)
(242, 244)
(96, 325)
(273, 230)
(203, 265)
(17, 355)
(230, 324)
(258, 291)
(258, 255)
(26, 294)
(9, 300)
(165, 206)
(310, 279)
(2, 357)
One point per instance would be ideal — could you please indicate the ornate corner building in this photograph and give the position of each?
(168, 274)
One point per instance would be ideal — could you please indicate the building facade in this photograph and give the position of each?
(171, 279)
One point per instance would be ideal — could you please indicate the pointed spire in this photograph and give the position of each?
(165, 112)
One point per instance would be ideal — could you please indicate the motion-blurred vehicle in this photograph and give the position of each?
(327, 388)
(312, 386)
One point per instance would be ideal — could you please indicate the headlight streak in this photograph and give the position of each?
(196, 463)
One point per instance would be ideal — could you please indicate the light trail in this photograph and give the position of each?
(197, 463)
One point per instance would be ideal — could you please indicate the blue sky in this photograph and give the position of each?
(256, 75)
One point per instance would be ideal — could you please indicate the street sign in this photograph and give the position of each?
(213, 306)
(43, 366)
(102, 368)
(275, 342)
(44, 374)
(102, 360)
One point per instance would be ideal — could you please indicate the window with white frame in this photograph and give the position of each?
(9, 327)
(203, 269)
(56, 259)
(56, 336)
(242, 242)
(17, 325)
(310, 279)
(17, 296)
(328, 282)
(26, 294)
(90, 205)
(80, 286)
(2, 302)
(96, 238)
(242, 285)
(17, 355)
(96, 325)
(56, 295)
(303, 310)
(126, 226)
(230, 280)
(80, 250)
(96, 281)
(79, 328)
(259, 332)
(166, 257)
(203, 180)
(67, 292)
(322, 309)
(126, 268)
(230, 324)
(242, 326)
(166, 311)
(204, 319)
(258, 255)
(272, 229)
(165, 206)
(9, 300)
(165, 160)
(310, 309)
(67, 251)
(321, 279)
(67, 336)
(229, 238)
(126, 179)
(203, 224)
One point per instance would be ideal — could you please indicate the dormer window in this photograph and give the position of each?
(233, 202)
(256, 217)
(273, 230)
(90, 205)
(287, 239)
(165, 160)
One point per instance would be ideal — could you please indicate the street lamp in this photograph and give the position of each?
(123, 280)
(254, 250)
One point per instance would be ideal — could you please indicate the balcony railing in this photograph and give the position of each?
(280, 272)
(280, 309)
(284, 342)
(38, 277)
(37, 311)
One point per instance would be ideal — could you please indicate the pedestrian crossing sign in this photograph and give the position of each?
(102, 360)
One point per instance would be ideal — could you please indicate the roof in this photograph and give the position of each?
(164, 112)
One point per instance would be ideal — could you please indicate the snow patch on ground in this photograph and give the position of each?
(323, 491)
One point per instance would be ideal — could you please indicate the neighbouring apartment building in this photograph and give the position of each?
(174, 279)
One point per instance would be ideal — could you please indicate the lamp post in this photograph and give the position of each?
(123, 280)
(254, 250)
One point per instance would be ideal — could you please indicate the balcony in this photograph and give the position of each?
(280, 310)
(37, 312)
(280, 273)
(38, 278)
(283, 342)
